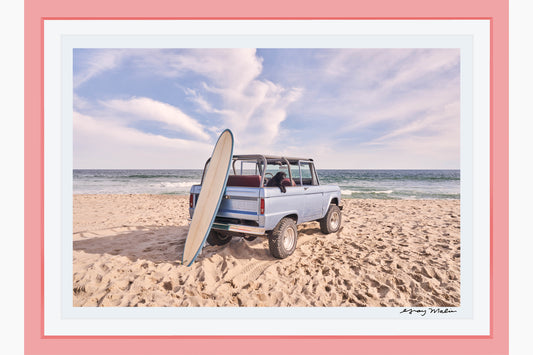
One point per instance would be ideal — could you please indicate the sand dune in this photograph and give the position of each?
(127, 252)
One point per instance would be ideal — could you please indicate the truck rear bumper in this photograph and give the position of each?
(239, 228)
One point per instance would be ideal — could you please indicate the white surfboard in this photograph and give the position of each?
(213, 187)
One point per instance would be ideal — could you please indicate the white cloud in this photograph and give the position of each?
(231, 68)
(100, 143)
(265, 115)
(420, 66)
(385, 67)
(405, 107)
(439, 121)
(98, 62)
(400, 96)
(253, 108)
(387, 109)
(406, 103)
(148, 109)
(202, 103)
(366, 65)
(80, 103)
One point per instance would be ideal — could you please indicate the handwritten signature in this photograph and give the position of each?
(423, 311)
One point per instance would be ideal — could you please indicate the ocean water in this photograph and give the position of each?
(177, 182)
(364, 184)
(395, 184)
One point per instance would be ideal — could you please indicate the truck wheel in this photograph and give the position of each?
(250, 237)
(216, 238)
(282, 240)
(331, 221)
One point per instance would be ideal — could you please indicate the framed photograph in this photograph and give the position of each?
(386, 230)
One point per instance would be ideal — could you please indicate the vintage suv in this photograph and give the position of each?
(250, 209)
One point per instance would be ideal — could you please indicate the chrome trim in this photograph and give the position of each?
(229, 197)
(239, 228)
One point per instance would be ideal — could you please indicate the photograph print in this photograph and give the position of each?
(342, 188)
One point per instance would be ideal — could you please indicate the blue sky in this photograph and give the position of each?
(346, 108)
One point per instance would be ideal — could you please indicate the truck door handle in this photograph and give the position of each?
(305, 188)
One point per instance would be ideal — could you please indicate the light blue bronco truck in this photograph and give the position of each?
(250, 208)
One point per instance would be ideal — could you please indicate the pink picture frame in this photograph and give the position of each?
(36, 342)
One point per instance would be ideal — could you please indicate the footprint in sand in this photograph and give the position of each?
(383, 290)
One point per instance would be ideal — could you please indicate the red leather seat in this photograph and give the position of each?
(244, 180)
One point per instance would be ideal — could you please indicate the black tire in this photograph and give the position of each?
(282, 240)
(217, 238)
(250, 237)
(332, 220)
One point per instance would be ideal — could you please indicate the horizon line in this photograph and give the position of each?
(316, 169)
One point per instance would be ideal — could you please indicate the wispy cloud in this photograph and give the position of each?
(96, 62)
(148, 109)
(253, 108)
(225, 68)
(101, 143)
(378, 97)
(345, 106)
(430, 124)
(405, 105)
(225, 85)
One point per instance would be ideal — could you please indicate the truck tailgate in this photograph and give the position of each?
(240, 202)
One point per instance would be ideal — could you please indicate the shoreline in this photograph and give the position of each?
(389, 253)
(344, 197)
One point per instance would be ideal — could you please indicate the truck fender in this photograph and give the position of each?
(278, 217)
(334, 198)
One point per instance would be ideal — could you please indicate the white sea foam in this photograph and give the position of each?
(187, 184)
(350, 192)
(373, 184)
(382, 192)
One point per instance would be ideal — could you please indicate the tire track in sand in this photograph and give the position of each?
(243, 275)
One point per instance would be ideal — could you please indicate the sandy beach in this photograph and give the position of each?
(389, 253)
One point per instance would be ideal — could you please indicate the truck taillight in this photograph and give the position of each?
(262, 209)
(191, 200)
